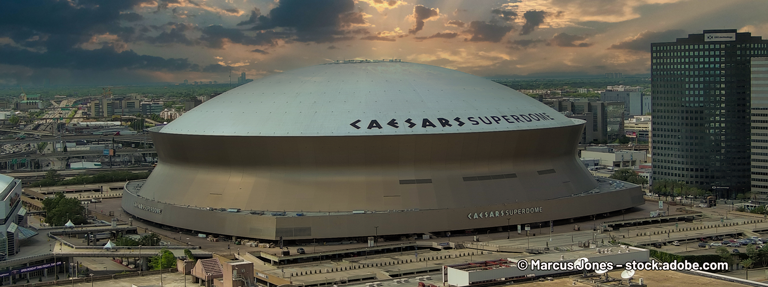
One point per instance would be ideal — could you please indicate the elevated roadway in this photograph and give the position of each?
(137, 138)
(126, 151)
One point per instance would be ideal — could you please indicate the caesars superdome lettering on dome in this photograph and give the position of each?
(458, 121)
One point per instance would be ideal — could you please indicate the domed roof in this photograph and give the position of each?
(369, 98)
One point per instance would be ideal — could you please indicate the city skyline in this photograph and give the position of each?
(172, 40)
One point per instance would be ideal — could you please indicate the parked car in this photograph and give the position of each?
(676, 243)
(300, 250)
(716, 244)
(725, 242)
(702, 245)
(735, 251)
(734, 245)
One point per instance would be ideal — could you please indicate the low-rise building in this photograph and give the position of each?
(616, 159)
(14, 221)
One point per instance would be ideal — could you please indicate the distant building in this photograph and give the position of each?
(149, 108)
(242, 80)
(613, 75)
(605, 120)
(29, 105)
(215, 82)
(635, 102)
(171, 114)
(108, 107)
(701, 109)
(759, 129)
(640, 126)
(617, 159)
(192, 103)
(186, 82)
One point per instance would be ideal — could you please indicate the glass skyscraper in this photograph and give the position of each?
(700, 108)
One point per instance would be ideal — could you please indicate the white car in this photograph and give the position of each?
(715, 244)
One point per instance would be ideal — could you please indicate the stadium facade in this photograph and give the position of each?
(354, 149)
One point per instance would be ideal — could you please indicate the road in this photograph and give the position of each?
(76, 171)
(125, 151)
(76, 138)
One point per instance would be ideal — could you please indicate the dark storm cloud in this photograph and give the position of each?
(532, 20)
(568, 40)
(456, 23)
(312, 21)
(506, 15)
(131, 17)
(215, 36)
(444, 35)
(253, 19)
(260, 51)
(524, 43)
(485, 32)
(105, 58)
(421, 14)
(174, 36)
(642, 42)
(64, 25)
(216, 68)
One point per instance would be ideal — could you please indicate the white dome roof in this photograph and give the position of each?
(381, 98)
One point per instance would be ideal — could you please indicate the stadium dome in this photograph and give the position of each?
(328, 151)
(325, 100)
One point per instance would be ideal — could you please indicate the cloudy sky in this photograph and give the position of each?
(129, 41)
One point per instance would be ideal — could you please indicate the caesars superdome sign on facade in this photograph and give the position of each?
(458, 121)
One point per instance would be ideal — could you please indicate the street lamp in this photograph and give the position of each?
(376, 235)
(508, 227)
(91, 279)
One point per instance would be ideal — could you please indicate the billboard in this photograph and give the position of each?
(631, 134)
(719, 37)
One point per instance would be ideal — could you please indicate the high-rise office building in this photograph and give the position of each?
(701, 114)
(759, 106)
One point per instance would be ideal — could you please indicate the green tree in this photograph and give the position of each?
(165, 259)
(59, 209)
(14, 120)
(41, 146)
(629, 175)
(763, 255)
(725, 255)
(189, 255)
(623, 140)
(752, 253)
(747, 263)
(151, 239)
(125, 241)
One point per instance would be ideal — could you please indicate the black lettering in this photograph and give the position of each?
(458, 119)
(507, 119)
(546, 115)
(516, 118)
(496, 119)
(354, 124)
(474, 122)
(374, 124)
(526, 118)
(393, 123)
(486, 118)
(443, 122)
(534, 117)
(410, 123)
(427, 123)
(540, 116)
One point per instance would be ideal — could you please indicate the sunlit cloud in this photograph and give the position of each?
(383, 5)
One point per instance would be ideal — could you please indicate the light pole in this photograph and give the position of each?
(376, 235)
(91, 279)
(508, 227)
